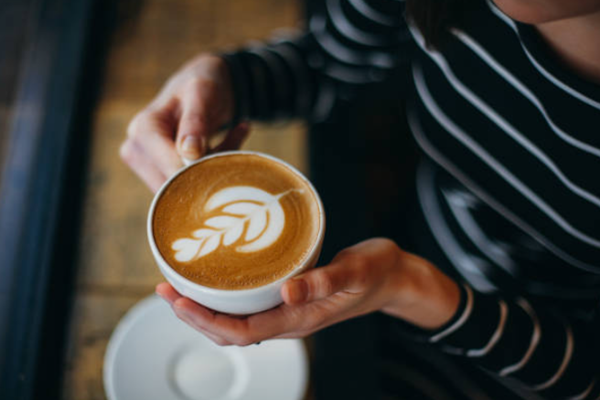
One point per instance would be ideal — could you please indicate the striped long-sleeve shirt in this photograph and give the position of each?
(509, 182)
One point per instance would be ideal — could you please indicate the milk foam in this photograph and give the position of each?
(246, 215)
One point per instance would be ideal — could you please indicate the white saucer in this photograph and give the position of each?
(153, 355)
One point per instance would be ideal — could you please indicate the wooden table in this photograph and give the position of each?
(152, 39)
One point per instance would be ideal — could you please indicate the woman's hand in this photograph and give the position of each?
(193, 104)
(374, 275)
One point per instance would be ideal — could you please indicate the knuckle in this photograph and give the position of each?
(361, 274)
(203, 84)
(198, 89)
(194, 117)
(353, 258)
(359, 261)
(242, 341)
(133, 129)
(194, 81)
(358, 266)
(182, 318)
(347, 252)
(322, 282)
(221, 342)
(387, 243)
(126, 152)
(361, 271)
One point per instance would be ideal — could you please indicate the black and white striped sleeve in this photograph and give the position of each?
(549, 353)
(349, 44)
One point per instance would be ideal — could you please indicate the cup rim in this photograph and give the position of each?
(234, 292)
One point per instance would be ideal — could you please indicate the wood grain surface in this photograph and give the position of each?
(115, 267)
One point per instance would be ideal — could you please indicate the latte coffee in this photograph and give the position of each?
(236, 221)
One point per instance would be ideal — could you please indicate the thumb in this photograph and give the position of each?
(192, 134)
(317, 284)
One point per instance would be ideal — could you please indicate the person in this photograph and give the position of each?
(504, 105)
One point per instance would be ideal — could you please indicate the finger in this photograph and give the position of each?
(162, 152)
(153, 132)
(215, 339)
(167, 292)
(204, 319)
(189, 321)
(317, 284)
(133, 156)
(296, 321)
(192, 133)
(234, 138)
(170, 295)
(241, 331)
(280, 322)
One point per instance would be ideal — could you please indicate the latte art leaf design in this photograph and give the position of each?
(245, 215)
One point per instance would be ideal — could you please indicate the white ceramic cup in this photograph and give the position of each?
(246, 301)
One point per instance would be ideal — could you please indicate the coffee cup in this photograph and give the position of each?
(229, 229)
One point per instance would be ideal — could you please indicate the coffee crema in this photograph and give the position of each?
(236, 221)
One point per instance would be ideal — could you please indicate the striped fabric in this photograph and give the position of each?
(508, 185)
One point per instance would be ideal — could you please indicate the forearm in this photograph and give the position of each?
(274, 81)
(547, 352)
(304, 76)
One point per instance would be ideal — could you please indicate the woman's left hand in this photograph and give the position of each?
(374, 275)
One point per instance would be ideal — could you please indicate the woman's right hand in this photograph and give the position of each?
(192, 105)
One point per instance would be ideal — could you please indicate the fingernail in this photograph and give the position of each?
(300, 292)
(191, 145)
